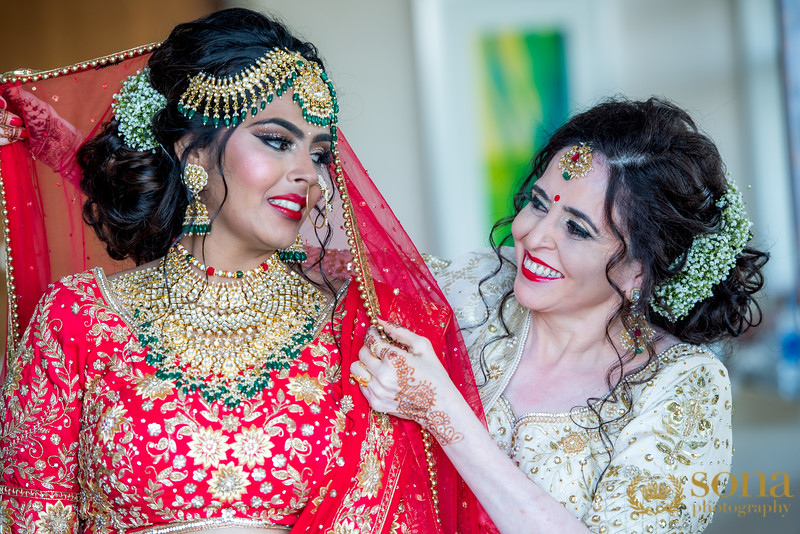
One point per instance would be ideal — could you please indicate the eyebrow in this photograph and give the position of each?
(294, 130)
(576, 212)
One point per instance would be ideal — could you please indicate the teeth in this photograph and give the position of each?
(540, 270)
(288, 204)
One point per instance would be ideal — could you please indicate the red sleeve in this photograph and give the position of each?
(40, 411)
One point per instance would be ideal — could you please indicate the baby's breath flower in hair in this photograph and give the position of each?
(134, 107)
(708, 262)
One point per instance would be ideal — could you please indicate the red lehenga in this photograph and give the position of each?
(92, 441)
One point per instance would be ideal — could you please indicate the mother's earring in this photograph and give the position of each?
(196, 220)
(636, 333)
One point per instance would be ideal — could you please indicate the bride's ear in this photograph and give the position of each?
(180, 148)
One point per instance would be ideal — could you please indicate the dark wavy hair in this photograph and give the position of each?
(136, 200)
(665, 177)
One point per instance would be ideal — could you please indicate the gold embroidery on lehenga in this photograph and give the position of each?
(56, 519)
(361, 517)
(185, 461)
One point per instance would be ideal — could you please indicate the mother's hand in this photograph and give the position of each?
(402, 376)
(11, 129)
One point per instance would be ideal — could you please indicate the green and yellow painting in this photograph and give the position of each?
(523, 98)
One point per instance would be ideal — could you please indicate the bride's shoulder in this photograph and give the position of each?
(144, 266)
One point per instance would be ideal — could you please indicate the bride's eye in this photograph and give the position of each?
(277, 142)
(322, 157)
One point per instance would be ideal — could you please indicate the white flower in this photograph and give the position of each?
(708, 262)
(134, 107)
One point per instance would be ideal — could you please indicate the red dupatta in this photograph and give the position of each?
(46, 239)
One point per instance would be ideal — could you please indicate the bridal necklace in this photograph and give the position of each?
(220, 339)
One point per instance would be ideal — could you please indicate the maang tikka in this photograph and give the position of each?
(196, 221)
(636, 333)
(576, 162)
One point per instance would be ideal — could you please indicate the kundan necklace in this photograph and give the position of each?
(220, 339)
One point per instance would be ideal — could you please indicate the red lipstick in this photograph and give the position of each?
(291, 205)
(532, 276)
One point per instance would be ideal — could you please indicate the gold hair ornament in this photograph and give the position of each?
(576, 162)
(254, 87)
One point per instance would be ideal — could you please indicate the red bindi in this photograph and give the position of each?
(557, 198)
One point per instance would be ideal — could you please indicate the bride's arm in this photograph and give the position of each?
(414, 385)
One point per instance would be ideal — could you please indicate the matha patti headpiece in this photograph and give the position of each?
(576, 162)
(227, 100)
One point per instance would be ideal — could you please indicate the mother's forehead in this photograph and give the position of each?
(595, 174)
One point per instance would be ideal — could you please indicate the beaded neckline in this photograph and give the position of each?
(660, 358)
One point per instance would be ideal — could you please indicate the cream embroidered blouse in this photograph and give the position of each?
(665, 453)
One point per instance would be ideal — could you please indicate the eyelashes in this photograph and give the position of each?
(281, 143)
(325, 158)
(277, 142)
(574, 228)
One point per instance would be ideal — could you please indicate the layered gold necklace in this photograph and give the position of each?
(220, 339)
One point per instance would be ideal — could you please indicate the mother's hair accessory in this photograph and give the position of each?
(253, 88)
(134, 107)
(708, 261)
(576, 162)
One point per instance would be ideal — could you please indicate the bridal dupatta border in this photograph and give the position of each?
(28, 75)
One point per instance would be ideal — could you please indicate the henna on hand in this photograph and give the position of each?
(415, 400)
(440, 427)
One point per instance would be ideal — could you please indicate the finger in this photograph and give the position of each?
(359, 375)
(372, 337)
(369, 361)
(385, 350)
(405, 336)
(9, 119)
(13, 133)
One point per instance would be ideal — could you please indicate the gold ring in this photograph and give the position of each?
(360, 379)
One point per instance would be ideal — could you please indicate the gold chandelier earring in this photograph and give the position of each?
(196, 221)
(295, 253)
(636, 333)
